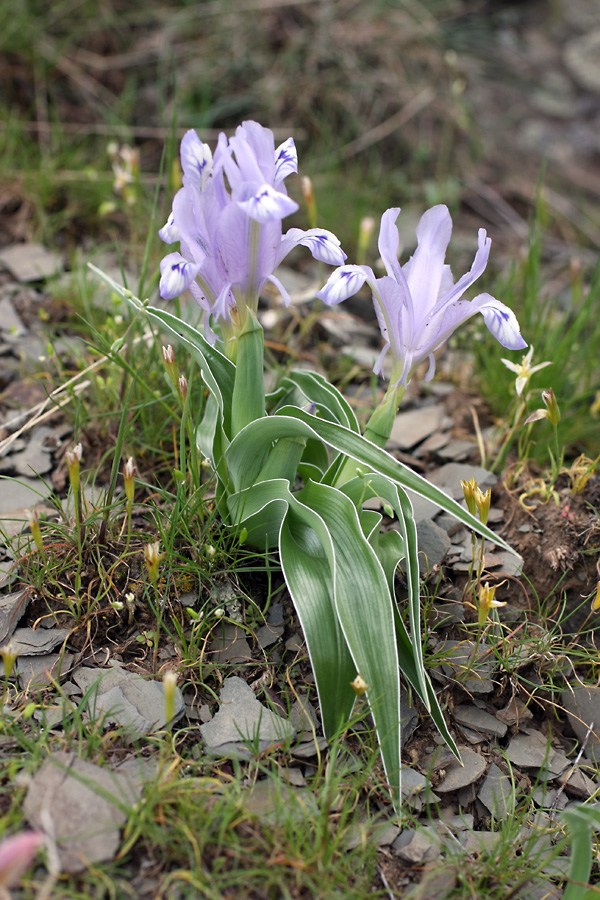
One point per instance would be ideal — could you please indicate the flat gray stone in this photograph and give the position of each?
(303, 717)
(434, 544)
(27, 642)
(469, 666)
(422, 508)
(457, 449)
(412, 427)
(423, 844)
(135, 703)
(479, 720)
(36, 459)
(479, 841)
(12, 607)
(17, 496)
(37, 672)
(582, 704)
(268, 634)
(10, 322)
(30, 262)
(229, 645)
(577, 784)
(243, 724)
(276, 802)
(497, 793)
(448, 478)
(67, 799)
(530, 751)
(457, 776)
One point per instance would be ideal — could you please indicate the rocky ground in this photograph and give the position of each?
(515, 701)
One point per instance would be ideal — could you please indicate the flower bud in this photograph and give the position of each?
(551, 405)
(33, 517)
(74, 458)
(171, 365)
(367, 227)
(359, 685)
(153, 556)
(469, 488)
(169, 690)
(182, 384)
(129, 479)
(9, 656)
(309, 198)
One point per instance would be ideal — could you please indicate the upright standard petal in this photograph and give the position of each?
(389, 243)
(426, 272)
(196, 160)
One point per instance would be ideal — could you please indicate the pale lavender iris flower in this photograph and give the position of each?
(418, 306)
(228, 220)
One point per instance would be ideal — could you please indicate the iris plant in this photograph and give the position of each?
(292, 469)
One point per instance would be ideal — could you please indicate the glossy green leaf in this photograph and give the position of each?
(367, 454)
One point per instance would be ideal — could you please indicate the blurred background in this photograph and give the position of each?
(490, 107)
(467, 102)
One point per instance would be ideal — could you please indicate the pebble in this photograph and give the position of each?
(30, 262)
(135, 703)
(412, 427)
(457, 776)
(243, 724)
(582, 705)
(497, 793)
(479, 720)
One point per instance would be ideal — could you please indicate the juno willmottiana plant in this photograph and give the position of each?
(292, 469)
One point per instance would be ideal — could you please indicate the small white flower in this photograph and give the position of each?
(524, 370)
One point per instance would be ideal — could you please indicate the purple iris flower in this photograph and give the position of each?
(418, 306)
(227, 218)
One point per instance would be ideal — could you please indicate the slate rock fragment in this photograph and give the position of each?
(582, 704)
(68, 800)
(457, 776)
(135, 703)
(243, 724)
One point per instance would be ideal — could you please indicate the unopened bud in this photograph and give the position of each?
(171, 365)
(367, 227)
(183, 386)
(551, 405)
(9, 656)
(33, 517)
(359, 685)
(169, 691)
(309, 198)
(74, 458)
(153, 556)
(129, 479)
(469, 488)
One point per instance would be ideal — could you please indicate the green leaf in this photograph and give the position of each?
(248, 400)
(308, 562)
(367, 454)
(365, 611)
(248, 451)
(330, 403)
